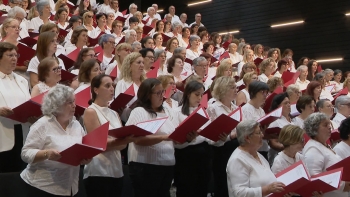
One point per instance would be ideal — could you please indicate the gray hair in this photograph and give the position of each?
(319, 75)
(198, 60)
(40, 6)
(16, 10)
(109, 12)
(194, 37)
(341, 100)
(312, 123)
(301, 68)
(133, 4)
(178, 50)
(127, 33)
(150, 8)
(55, 99)
(176, 24)
(244, 129)
(158, 52)
(135, 44)
(104, 38)
(328, 70)
(291, 88)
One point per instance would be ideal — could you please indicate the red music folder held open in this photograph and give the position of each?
(94, 41)
(153, 73)
(29, 41)
(68, 62)
(222, 124)
(82, 101)
(269, 118)
(92, 144)
(67, 76)
(289, 78)
(345, 164)
(26, 54)
(140, 129)
(123, 98)
(192, 123)
(270, 97)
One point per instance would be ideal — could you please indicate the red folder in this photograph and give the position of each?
(319, 185)
(98, 50)
(167, 92)
(140, 129)
(26, 54)
(62, 32)
(30, 108)
(147, 29)
(335, 135)
(344, 91)
(145, 21)
(270, 97)
(29, 41)
(74, 54)
(165, 38)
(114, 73)
(100, 57)
(289, 78)
(82, 101)
(257, 61)
(189, 61)
(92, 144)
(68, 63)
(319, 68)
(121, 19)
(124, 12)
(204, 101)
(123, 99)
(213, 59)
(153, 73)
(121, 40)
(273, 130)
(94, 41)
(33, 34)
(269, 118)
(226, 44)
(224, 56)
(192, 123)
(241, 87)
(345, 164)
(222, 124)
(67, 76)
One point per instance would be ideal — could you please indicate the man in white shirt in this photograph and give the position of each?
(156, 15)
(342, 105)
(114, 6)
(197, 18)
(183, 19)
(132, 10)
(172, 13)
(177, 30)
(104, 7)
(150, 16)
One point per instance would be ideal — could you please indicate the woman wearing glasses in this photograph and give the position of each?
(88, 22)
(107, 42)
(52, 27)
(121, 51)
(148, 58)
(47, 46)
(49, 74)
(151, 158)
(44, 9)
(79, 40)
(117, 28)
(84, 54)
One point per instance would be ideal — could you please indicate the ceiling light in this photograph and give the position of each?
(231, 32)
(329, 60)
(285, 24)
(347, 14)
(200, 2)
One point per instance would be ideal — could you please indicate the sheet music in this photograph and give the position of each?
(329, 88)
(331, 179)
(293, 175)
(201, 112)
(152, 126)
(236, 116)
(294, 111)
(276, 113)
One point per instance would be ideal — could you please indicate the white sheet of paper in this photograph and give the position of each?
(276, 113)
(293, 110)
(201, 112)
(331, 179)
(152, 126)
(293, 175)
(236, 116)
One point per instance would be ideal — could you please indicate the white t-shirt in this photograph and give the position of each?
(35, 23)
(342, 149)
(282, 161)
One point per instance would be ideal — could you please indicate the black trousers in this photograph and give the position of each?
(221, 155)
(151, 180)
(35, 192)
(192, 170)
(103, 186)
(10, 161)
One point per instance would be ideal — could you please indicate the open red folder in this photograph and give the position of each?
(121, 19)
(165, 38)
(82, 101)
(74, 54)
(33, 34)
(123, 99)
(26, 54)
(68, 63)
(226, 44)
(98, 50)
(167, 92)
(92, 144)
(335, 135)
(289, 78)
(153, 73)
(140, 129)
(124, 12)
(324, 182)
(94, 41)
(345, 164)
(269, 118)
(192, 123)
(62, 32)
(147, 29)
(344, 91)
(67, 76)
(121, 40)
(270, 97)
(257, 61)
(222, 124)
(225, 55)
(30, 108)
(29, 41)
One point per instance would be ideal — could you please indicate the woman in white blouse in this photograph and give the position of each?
(302, 81)
(258, 51)
(49, 74)
(275, 54)
(267, 67)
(193, 52)
(56, 131)
(282, 66)
(234, 56)
(343, 148)
(158, 41)
(160, 54)
(47, 46)
(88, 21)
(121, 51)
(88, 70)
(14, 91)
(168, 82)
(318, 154)
(101, 20)
(175, 67)
(243, 95)
(107, 42)
(325, 94)
(248, 67)
(171, 45)
(247, 58)
(103, 176)
(151, 158)
(219, 50)
(44, 9)
(132, 74)
(61, 18)
(185, 39)
(248, 172)
(305, 106)
(78, 40)
(338, 75)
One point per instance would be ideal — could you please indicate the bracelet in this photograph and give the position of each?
(45, 155)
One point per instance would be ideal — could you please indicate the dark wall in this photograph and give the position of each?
(325, 33)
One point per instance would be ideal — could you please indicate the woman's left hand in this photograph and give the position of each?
(32, 119)
(290, 194)
(85, 161)
(191, 136)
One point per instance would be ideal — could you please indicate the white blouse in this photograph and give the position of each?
(342, 149)
(325, 94)
(97, 31)
(246, 176)
(302, 84)
(263, 78)
(298, 122)
(35, 23)
(42, 87)
(338, 86)
(283, 161)
(34, 63)
(108, 163)
(161, 153)
(51, 176)
(191, 54)
(236, 57)
(122, 86)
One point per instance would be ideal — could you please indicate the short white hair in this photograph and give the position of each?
(40, 6)
(127, 33)
(133, 4)
(244, 129)
(176, 24)
(150, 8)
(302, 67)
(55, 99)
(341, 100)
(15, 10)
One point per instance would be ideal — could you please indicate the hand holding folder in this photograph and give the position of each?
(140, 129)
(123, 99)
(222, 124)
(192, 123)
(269, 118)
(92, 144)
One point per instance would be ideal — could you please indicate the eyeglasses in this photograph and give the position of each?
(12, 55)
(55, 70)
(113, 43)
(120, 26)
(159, 93)
(16, 27)
(126, 50)
(150, 57)
(259, 133)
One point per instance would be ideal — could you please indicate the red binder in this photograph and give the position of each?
(94, 41)
(124, 12)
(319, 68)
(289, 78)
(82, 101)
(121, 19)
(222, 124)
(30, 108)
(213, 59)
(98, 49)
(68, 63)
(270, 97)
(165, 38)
(92, 144)
(62, 32)
(153, 73)
(273, 130)
(204, 101)
(345, 164)
(123, 98)
(26, 54)
(257, 61)
(192, 123)
(224, 56)
(269, 118)
(67, 76)
(189, 61)
(147, 29)
(344, 91)
(114, 73)
(335, 135)
(140, 129)
(167, 92)
(74, 54)
(29, 41)
(226, 44)
(33, 34)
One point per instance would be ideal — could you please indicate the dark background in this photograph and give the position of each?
(324, 34)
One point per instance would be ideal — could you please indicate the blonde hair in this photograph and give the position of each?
(265, 63)
(224, 65)
(247, 78)
(245, 56)
(245, 66)
(84, 17)
(5, 25)
(194, 78)
(222, 86)
(345, 83)
(290, 134)
(120, 47)
(164, 79)
(31, 13)
(126, 71)
(274, 82)
(256, 48)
